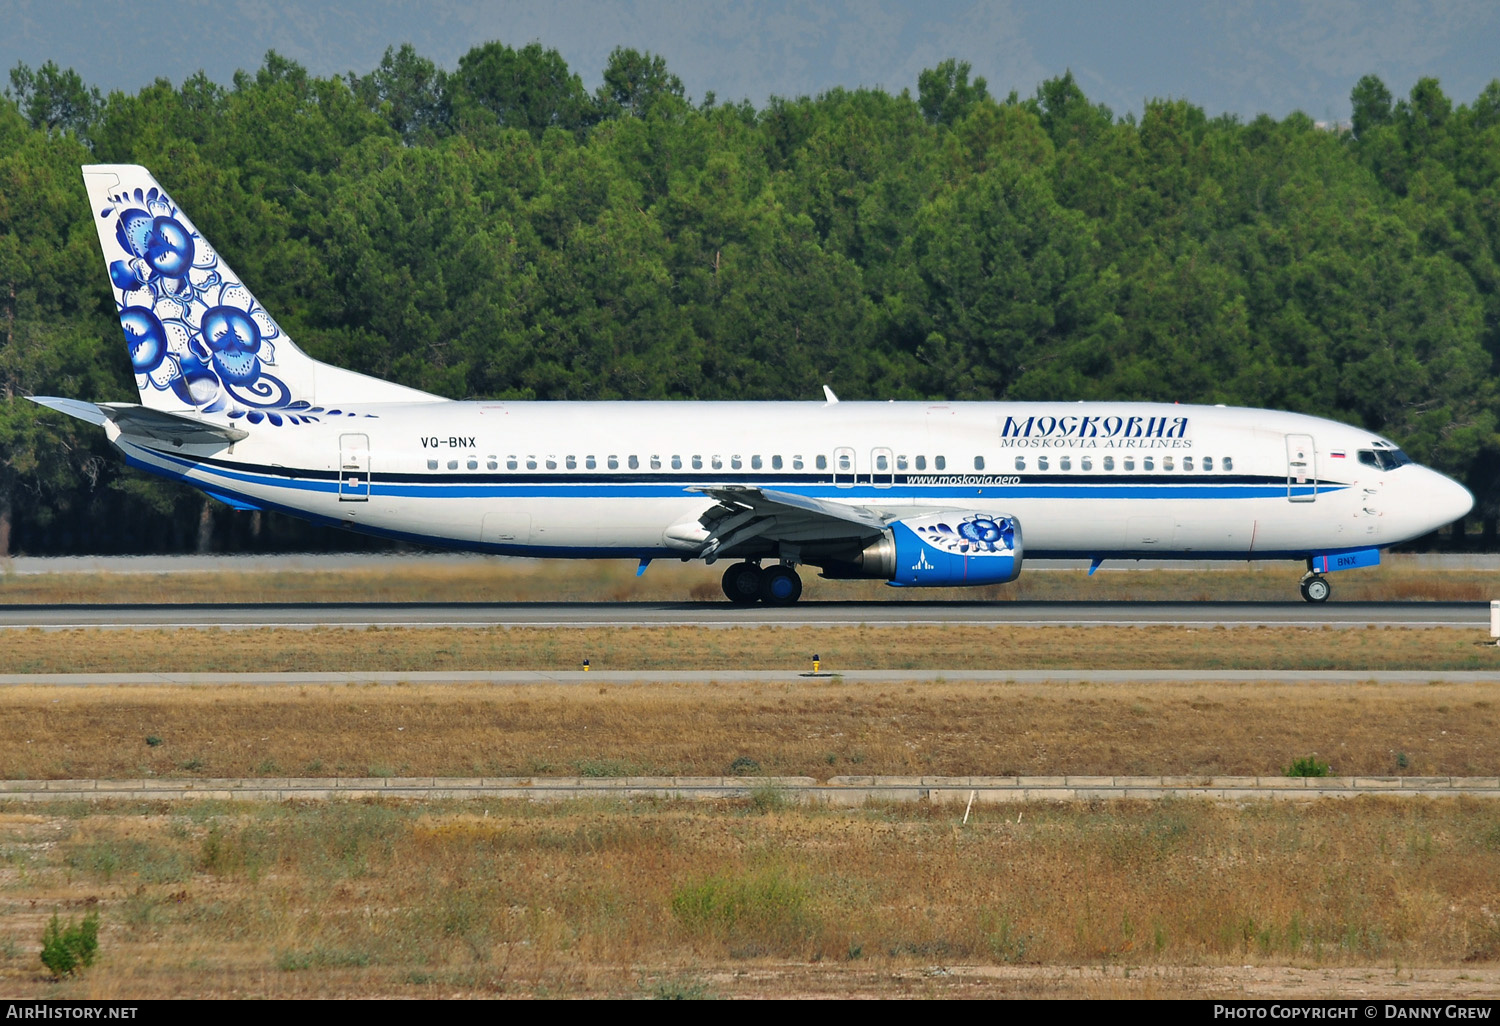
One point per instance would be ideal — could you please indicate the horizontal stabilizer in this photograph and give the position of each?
(72, 407)
(140, 422)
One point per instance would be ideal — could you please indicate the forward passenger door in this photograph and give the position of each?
(1301, 469)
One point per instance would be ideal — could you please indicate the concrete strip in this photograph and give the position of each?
(406, 562)
(898, 612)
(519, 677)
(843, 790)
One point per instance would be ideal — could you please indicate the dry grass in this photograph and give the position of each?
(814, 728)
(662, 899)
(659, 899)
(510, 580)
(913, 647)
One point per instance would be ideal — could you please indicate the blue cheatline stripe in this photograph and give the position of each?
(330, 486)
(1186, 488)
(552, 481)
(542, 551)
(766, 478)
(459, 544)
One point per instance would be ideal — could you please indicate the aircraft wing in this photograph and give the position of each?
(744, 513)
(141, 422)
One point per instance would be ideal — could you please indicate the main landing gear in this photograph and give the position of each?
(747, 583)
(1314, 588)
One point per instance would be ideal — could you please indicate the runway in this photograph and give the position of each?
(957, 792)
(1462, 615)
(721, 677)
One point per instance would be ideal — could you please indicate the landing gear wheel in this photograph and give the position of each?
(742, 583)
(1316, 589)
(780, 586)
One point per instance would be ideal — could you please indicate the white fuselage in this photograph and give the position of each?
(620, 478)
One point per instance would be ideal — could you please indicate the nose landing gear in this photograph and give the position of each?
(1314, 588)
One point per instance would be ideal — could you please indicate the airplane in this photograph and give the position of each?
(918, 494)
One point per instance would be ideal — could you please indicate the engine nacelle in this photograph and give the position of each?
(941, 550)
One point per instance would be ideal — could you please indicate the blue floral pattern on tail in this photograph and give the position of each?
(190, 327)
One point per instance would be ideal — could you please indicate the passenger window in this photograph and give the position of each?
(1065, 463)
(882, 462)
(1208, 463)
(432, 464)
(572, 463)
(697, 462)
(844, 462)
(656, 463)
(1129, 462)
(734, 462)
(676, 462)
(921, 462)
(453, 464)
(613, 463)
(775, 462)
(1166, 463)
(510, 463)
(1020, 462)
(590, 463)
(900, 462)
(531, 463)
(939, 463)
(1086, 463)
(1187, 463)
(1228, 462)
(754, 462)
(473, 464)
(822, 462)
(1109, 463)
(978, 462)
(716, 461)
(1148, 463)
(551, 462)
(492, 464)
(796, 462)
(1041, 463)
(635, 463)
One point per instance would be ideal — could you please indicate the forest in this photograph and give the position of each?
(497, 230)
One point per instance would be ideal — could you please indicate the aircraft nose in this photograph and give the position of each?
(1448, 500)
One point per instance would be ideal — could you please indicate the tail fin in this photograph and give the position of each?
(199, 342)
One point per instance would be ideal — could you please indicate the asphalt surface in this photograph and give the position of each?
(956, 792)
(397, 562)
(1467, 615)
(514, 677)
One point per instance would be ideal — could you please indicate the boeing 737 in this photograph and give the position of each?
(919, 494)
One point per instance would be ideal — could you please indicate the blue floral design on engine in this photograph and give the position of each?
(190, 326)
(977, 534)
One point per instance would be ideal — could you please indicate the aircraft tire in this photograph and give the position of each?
(741, 583)
(780, 586)
(1316, 589)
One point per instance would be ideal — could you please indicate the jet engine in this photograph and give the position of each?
(940, 550)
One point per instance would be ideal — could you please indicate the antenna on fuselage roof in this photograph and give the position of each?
(828, 394)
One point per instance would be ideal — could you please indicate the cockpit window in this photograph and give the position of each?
(1383, 459)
